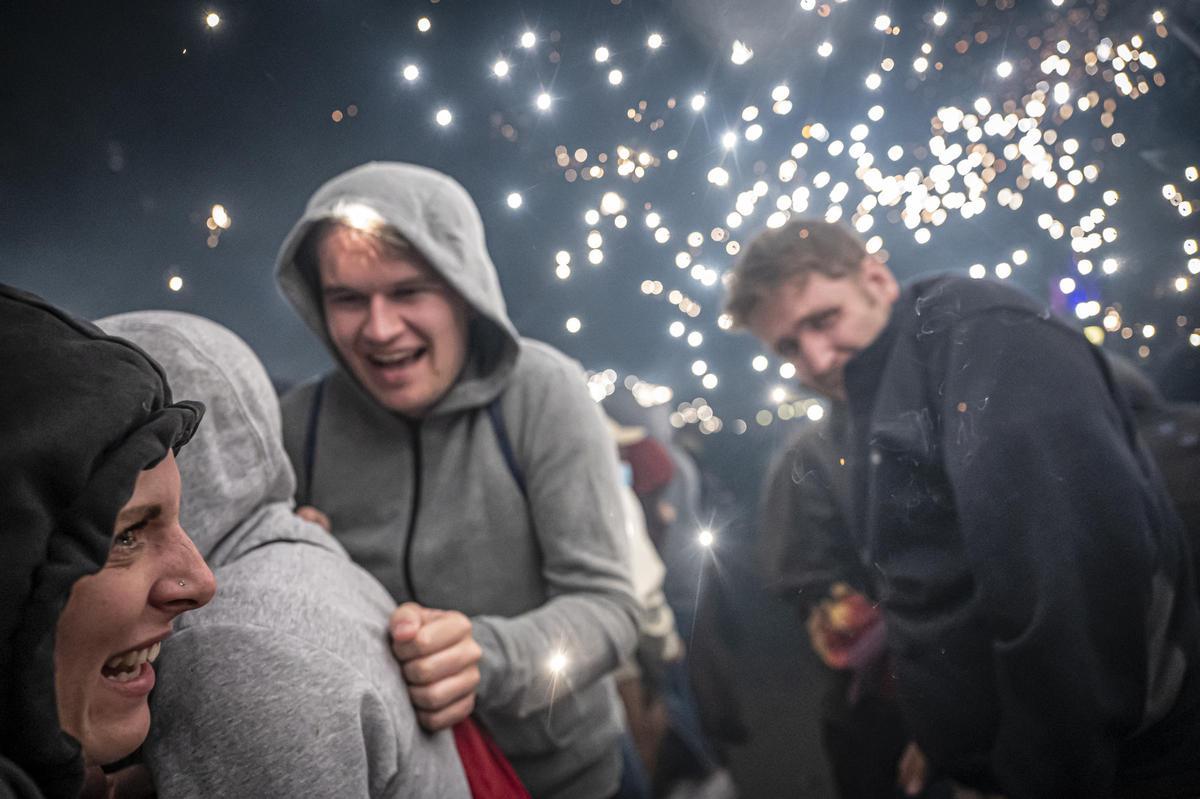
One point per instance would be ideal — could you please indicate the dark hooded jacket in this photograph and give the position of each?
(81, 415)
(432, 509)
(1038, 589)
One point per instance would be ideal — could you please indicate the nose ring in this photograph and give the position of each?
(182, 583)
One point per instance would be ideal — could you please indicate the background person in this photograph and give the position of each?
(94, 565)
(1037, 587)
(467, 469)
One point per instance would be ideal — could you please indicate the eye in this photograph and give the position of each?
(343, 300)
(824, 321)
(786, 348)
(129, 539)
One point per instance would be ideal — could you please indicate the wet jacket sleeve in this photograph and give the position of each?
(234, 716)
(590, 615)
(1060, 533)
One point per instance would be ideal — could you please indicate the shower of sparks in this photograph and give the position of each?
(1032, 144)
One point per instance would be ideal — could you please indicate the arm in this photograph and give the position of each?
(249, 711)
(1060, 533)
(590, 616)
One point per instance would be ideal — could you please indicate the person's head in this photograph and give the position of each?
(810, 291)
(93, 564)
(397, 325)
(110, 631)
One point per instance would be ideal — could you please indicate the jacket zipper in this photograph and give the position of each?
(414, 428)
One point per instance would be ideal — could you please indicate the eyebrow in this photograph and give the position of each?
(138, 514)
(337, 288)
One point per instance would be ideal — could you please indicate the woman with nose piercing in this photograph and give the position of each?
(94, 565)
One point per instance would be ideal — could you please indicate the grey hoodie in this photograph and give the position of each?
(285, 684)
(430, 507)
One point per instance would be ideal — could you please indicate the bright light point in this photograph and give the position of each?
(543, 102)
(1159, 17)
(423, 24)
(695, 338)
(754, 132)
(895, 152)
(1004, 69)
(676, 329)
(514, 200)
(698, 101)
(212, 19)
(815, 412)
(778, 394)
(562, 271)
(528, 39)
(410, 72)
(699, 368)
(741, 53)
(1019, 257)
(787, 370)
(1192, 174)
(940, 18)
(1148, 331)
(557, 663)
(705, 538)
(1181, 283)
(781, 92)
(825, 49)
(718, 176)
(875, 113)
(574, 325)
(615, 77)
(1066, 285)
(220, 216)
(175, 283)
(873, 81)
(1109, 265)
(883, 22)
(611, 203)
(500, 68)
(760, 363)
(444, 117)
(977, 271)
(859, 132)
(601, 54)
(709, 381)
(654, 41)
(1003, 271)
(728, 140)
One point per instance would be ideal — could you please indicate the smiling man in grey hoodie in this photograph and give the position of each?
(465, 467)
(286, 686)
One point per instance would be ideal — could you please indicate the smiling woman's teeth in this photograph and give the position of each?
(395, 360)
(127, 665)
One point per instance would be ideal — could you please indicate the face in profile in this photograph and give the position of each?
(400, 329)
(819, 323)
(110, 631)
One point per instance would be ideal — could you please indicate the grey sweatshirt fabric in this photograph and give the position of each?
(285, 684)
(538, 573)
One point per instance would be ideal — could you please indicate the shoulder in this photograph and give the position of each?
(950, 297)
(295, 402)
(541, 363)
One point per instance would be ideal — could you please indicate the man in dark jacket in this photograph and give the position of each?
(1036, 585)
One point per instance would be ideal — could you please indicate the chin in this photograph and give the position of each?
(110, 740)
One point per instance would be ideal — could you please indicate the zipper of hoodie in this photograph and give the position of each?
(414, 429)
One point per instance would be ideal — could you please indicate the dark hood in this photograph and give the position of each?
(81, 415)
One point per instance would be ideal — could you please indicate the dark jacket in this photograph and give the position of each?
(1037, 586)
(81, 415)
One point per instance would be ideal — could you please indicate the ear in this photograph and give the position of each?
(879, 279)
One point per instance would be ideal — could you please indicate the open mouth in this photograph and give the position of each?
(128, 665)
(397, 360)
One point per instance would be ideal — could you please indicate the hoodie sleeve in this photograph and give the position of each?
(234, 716)
(1061, 531)
(573, 493)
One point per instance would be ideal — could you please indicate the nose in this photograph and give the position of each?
(383, 323)
(184, 582)
(816, 357)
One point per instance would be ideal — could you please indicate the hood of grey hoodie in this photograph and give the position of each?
(237, 480)
(437, 216)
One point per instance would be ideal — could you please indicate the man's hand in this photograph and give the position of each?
(836, 623)
(440, 660)
(311, 514)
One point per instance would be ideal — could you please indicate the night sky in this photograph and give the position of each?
(125, 124)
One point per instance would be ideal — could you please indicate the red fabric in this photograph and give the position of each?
(488, 771)
(652, 466)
